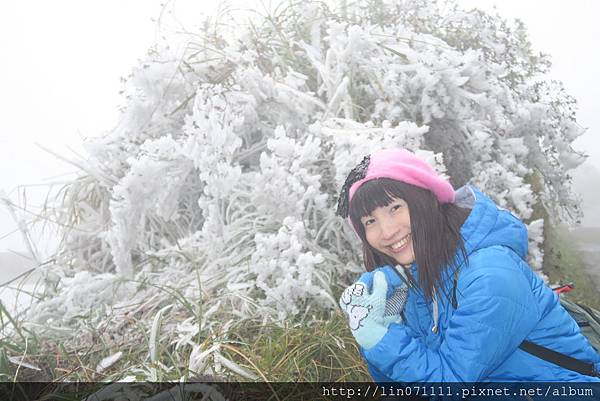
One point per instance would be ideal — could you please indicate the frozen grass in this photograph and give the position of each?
(323, 350)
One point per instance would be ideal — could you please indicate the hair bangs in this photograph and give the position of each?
(372, 194)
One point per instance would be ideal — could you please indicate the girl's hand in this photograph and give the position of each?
(397, 292)
(366, 311)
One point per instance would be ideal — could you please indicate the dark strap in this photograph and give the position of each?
(560, 359)
(557, 358)
(454, 285)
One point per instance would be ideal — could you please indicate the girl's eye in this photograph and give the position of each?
(368, 221)
(396, 207)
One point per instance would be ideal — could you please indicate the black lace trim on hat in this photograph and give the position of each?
(356, 174)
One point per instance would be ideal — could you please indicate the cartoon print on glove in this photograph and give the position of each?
(355, 313)
(356, 289)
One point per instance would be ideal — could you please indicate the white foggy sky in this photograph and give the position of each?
(61, 63)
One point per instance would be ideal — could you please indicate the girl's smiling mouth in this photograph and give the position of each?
(400, 245)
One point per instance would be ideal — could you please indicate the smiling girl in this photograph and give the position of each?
(448, 295)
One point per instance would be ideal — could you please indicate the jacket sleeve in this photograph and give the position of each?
(376, 375)
(496, 312)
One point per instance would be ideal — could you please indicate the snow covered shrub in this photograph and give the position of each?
(214, 198)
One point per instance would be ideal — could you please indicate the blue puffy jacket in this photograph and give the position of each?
(501, 302)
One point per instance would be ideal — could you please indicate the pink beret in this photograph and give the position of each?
(402, 165)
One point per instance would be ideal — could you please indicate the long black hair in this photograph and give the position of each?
(435, 228)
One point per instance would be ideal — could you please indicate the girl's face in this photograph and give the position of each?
(387, 229)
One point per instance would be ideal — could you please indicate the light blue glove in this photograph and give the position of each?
(392, 276)
(397, 292)
(366, 310)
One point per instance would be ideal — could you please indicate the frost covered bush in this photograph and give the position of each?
(214, 197)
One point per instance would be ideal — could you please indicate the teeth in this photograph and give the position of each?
(400, 243)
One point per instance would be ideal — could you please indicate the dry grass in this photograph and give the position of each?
(323, 350)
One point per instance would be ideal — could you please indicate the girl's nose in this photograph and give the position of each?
(388, 229)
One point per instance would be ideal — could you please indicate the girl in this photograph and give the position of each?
(475, 310)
